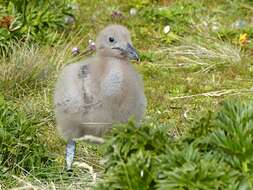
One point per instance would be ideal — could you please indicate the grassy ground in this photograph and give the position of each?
(191, 69)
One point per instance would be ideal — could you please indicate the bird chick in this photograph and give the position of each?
(92, 95)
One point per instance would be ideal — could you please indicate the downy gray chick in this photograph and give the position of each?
(92, 95)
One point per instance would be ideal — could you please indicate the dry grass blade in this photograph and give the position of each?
(203, 54)
(215, 93)
(87, 167)
(26, 184)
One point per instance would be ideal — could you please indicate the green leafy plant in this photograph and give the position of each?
(215, 153)
(131, 156)
(234, 137)
(32, 21)
(187, 168)
(132, 139)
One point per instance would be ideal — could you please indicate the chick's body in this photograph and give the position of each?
(92, 94)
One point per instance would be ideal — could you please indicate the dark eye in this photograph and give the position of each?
(111, 39)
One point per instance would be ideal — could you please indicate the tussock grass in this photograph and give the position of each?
(30, 67)
(20, 142)
(32, 153)
(203, 54)
(206, 54)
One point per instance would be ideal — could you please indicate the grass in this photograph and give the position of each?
(190, 70)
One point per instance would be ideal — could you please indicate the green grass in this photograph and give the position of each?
(186, 72)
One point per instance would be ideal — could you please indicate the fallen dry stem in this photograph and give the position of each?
(215, 93)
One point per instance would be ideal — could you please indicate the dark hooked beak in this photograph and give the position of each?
(132, 53)
(129, 51)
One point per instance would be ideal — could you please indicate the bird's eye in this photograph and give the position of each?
(111, 40)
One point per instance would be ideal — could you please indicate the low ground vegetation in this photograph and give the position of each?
(197, 131)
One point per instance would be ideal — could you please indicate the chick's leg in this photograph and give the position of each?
(70, 153)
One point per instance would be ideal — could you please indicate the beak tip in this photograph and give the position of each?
(132, 53)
